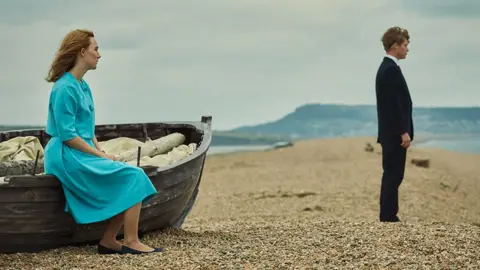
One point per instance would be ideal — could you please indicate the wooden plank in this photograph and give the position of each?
(161, 220)
(40, 210)
(155, 134)
(153, 218)
(177, 202)
(50, 217)
(47, 232)
(177, 174)
(33, 210)
(165, 195)
(105, 128)
(193, 198)
(33, 242)
(130, 126)
(33, 195)
(40, 225)
(9, 135)
(52, 181)
(105, 136)
(34, 181)
(81, 234)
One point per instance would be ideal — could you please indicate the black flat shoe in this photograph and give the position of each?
(104, 250)
(394, 219)
(127, 250)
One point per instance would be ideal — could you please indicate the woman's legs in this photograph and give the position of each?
(109, 238)
(131, 219)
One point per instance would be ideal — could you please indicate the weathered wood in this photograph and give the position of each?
(19, 167)
(32, 216)
(35, 163)
(421, 162)
(138, 156)
(32, 181)
(40, 225)
(51, 217)
(10, 194)
(51, 181)
(160, 212)
(369, 147)
(32, 210)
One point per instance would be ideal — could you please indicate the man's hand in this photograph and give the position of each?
(405, 140)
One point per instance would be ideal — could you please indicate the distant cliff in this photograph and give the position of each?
(319, 120)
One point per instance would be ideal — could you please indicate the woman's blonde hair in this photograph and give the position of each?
(71, 45)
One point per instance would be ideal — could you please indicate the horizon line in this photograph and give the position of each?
(288, 112)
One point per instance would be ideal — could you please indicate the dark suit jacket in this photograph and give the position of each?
(394, 104)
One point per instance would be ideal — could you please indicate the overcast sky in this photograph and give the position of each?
(243, 62)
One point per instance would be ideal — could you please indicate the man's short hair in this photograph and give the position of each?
(394, 35)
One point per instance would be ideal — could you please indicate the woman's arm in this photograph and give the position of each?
(65, 107)
(79, 144)
(97, 145)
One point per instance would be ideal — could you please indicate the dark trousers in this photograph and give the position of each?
(393, 163)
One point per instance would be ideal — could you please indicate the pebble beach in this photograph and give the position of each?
(310, 206)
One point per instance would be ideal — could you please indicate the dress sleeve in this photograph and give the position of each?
(65, 110)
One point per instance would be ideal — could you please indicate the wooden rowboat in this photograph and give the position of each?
(32, 216)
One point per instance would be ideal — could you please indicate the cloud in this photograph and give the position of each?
(242, 62)
(444, 8)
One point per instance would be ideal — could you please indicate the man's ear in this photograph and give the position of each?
(82, 52)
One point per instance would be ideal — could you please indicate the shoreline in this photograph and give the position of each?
(427, 142)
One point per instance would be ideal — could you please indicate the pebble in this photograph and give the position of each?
(249, 215)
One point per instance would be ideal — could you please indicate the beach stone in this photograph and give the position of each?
(257, 216)
(369, 147)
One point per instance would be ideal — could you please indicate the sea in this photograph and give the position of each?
(463, 145)
(224, 149)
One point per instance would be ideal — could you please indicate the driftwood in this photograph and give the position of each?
(421, 162)
(20, 167)
(369, 147)
(153, 148)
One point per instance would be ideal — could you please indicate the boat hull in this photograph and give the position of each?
(32, 216)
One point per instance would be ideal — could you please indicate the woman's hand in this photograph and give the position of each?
(105, 155)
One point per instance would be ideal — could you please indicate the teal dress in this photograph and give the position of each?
(95, 188)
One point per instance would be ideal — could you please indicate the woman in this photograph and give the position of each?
(96, 186)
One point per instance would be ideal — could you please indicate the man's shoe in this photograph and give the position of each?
(394, 219)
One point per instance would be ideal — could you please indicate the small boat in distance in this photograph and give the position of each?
(282, 144)
(32, 216)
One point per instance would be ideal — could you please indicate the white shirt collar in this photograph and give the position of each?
(393, 58)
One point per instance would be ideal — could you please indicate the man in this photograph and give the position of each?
(395, 124)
